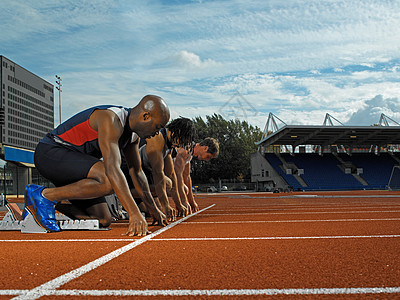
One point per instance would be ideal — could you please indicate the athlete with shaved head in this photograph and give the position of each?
(82, 158)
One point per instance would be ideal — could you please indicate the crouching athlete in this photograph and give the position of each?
(158, 166)
(205, 150)
(70, 157)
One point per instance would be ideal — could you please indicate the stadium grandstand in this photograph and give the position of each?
(328, 157)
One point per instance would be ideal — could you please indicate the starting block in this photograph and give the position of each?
(13, 221)
(79, 225)
(29, 225)
(9, 223)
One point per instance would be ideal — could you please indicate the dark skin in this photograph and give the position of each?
(106, 177)
(160, 165)
(171, 185)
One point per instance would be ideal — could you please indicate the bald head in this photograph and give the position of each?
(149, 116)
(155, 105)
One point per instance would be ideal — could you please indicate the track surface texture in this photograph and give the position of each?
(314, 245)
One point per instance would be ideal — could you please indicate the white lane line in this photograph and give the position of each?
(279, 238)
(221, 292)
(67, 277)
(305, 213)
(285, 207)
(289, 221)
(12, 292)
(71, 240)
(205, 222)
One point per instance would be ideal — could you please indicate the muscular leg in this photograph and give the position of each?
(87, 210)
(79, 178)
(95, 185)
(86, 190)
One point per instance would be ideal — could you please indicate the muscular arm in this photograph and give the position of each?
(170, 172)
(188, 182)
(132, 156)
(179, 166)
(155, 155)
(109, 131)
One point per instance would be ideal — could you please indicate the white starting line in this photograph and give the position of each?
(221, 292)
(382, 236)
(288, 212)
(290, 221)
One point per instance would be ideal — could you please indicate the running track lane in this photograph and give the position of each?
(209, 261)
(49, 287)
(199, 259)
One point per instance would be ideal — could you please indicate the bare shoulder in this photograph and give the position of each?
(104, 119)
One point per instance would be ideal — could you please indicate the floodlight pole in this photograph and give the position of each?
(58, 82)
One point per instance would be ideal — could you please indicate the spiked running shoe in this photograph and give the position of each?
(44, 210)
(28, 201)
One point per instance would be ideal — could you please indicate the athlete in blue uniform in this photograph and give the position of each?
(70, 157)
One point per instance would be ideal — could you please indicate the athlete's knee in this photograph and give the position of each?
(168, 183)
(105, 185)
(105, 221)
(186, 189)
(98, 173)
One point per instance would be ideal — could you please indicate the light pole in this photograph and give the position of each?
(59, 93)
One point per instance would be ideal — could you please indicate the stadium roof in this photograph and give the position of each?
(359, 136)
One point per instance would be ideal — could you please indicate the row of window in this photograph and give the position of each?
(29, 117)
(30, 98)
(31, 132)
(29, 111)
(15, 120)
(16, 99)
(23, 136)
(21, 143)
(46, 87)
(5, 65)
(26, 86)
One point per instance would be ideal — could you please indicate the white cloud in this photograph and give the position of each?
(371, 111)
(190, 60)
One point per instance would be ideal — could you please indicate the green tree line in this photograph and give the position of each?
(236, 143)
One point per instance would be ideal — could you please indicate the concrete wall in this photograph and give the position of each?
(264, 175)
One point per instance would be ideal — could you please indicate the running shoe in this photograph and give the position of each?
(44, 210)
(28, 202)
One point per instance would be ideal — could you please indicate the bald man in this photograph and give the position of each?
(82, 158)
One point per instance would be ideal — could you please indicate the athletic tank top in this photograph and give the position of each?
(78, 135)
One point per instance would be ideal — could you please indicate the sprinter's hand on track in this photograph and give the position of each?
(194, 206)
(137, 226)
(188, 208)
(171, 213)
(158, 217)
(182, 211)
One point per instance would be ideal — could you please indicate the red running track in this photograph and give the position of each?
(281, 246)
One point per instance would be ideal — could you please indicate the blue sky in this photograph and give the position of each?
(298, 59)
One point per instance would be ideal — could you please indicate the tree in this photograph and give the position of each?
(236, 140)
